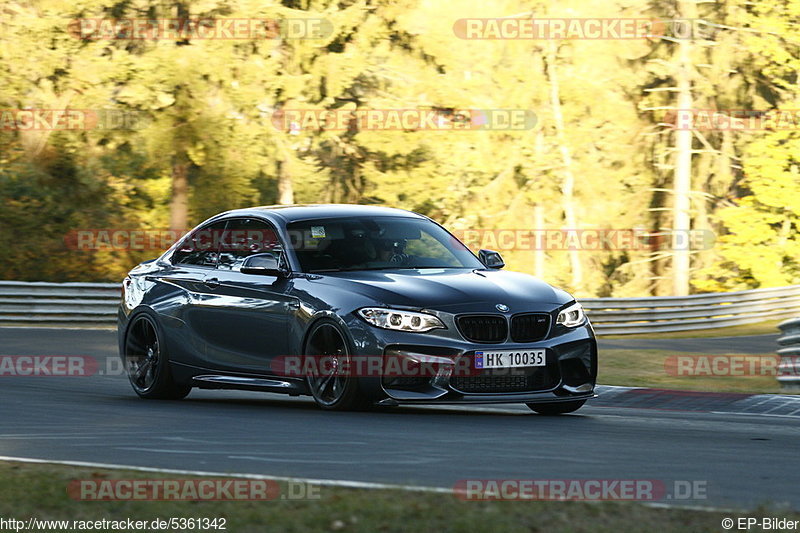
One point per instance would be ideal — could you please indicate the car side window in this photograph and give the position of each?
(201, 247)
(244, 237)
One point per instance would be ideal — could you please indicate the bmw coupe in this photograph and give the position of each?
(356, 306)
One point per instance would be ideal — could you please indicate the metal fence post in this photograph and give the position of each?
(789, 366)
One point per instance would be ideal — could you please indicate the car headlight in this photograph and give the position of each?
(400, 320)
(572, 316)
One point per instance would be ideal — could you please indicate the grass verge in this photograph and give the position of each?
(34, 490)
(647, 368)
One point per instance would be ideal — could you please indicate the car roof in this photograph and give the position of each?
(293, 213)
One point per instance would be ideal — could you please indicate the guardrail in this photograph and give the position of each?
(64, 303)
(623, 316)
(789, 342)
(58, 303)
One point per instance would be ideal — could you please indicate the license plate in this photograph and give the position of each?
(509, 359)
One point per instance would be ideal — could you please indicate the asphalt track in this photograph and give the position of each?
(743, 459)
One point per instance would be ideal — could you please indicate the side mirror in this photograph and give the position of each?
(262, 264)
(491, 259)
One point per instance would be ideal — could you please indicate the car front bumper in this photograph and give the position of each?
(569, 374)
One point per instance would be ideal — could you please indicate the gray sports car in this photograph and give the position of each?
(354, 305)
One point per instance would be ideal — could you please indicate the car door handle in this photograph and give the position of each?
(211, 283)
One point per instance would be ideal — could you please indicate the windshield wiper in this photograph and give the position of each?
(378, 268)
(423, 267)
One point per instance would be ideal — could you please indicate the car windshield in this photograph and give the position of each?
(376, 243)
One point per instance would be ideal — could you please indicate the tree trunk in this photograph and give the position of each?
(681, 217)
(285, 190)
(538, 252)
(568, 183)
(179, 204)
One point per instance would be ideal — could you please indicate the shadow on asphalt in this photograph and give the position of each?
(297, 405)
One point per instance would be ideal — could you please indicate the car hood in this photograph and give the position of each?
(447, 289)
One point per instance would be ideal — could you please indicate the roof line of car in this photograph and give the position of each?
(271, 214)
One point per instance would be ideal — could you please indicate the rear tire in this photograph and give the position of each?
(330, 390)
(556, 408)
(147, 363)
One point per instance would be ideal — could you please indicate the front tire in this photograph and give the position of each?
(147, 363)
(556, 408)
(330, 389)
